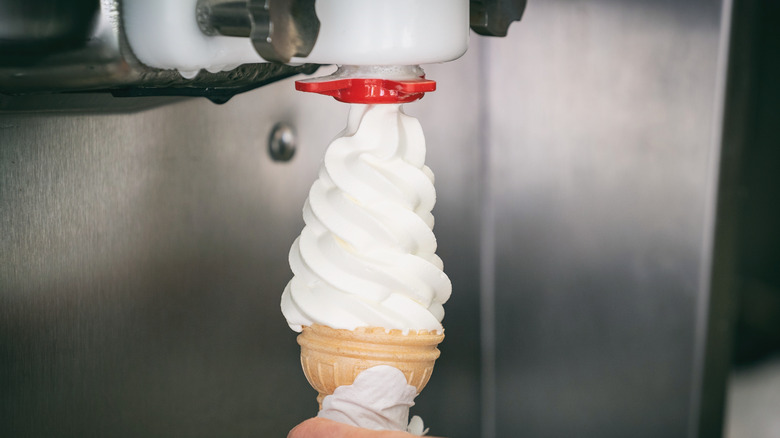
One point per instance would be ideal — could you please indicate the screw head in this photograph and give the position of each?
(282, 142)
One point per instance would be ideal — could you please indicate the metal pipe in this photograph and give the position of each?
(224, 17)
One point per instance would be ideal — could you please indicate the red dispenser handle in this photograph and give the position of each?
(369, 90)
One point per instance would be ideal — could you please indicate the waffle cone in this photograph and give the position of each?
(333, 357)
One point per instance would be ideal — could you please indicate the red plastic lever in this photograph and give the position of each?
(369, 90)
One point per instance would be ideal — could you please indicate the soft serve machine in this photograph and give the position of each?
(145, 229)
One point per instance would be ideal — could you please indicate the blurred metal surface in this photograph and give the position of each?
(604, 136)
(754, 395)
(143, 254)
(143, 259)
(751, 166)
(43, 26)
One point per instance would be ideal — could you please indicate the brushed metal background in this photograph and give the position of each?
(143, 254)
(603, 127)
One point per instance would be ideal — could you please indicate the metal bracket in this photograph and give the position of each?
(279, 29)
(493, 17)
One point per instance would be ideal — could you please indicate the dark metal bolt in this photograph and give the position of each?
(282, 142)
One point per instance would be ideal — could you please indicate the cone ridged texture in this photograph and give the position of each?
(333, 357)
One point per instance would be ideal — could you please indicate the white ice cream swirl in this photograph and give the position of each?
(366, 257)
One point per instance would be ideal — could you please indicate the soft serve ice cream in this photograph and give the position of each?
(366, 257)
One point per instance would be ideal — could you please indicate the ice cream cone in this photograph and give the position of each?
(333, 357)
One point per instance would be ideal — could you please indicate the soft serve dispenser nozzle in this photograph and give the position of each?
(218, 48)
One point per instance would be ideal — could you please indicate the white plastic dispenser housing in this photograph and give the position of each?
(166, 34)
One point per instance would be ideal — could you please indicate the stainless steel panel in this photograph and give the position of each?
(144, 254)
(143, 258)
(603, 131)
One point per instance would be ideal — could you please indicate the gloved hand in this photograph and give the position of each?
(323, 428)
